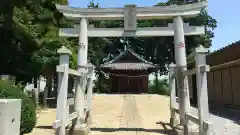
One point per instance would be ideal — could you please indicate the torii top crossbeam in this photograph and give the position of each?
(142, 13)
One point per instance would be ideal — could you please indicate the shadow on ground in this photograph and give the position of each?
(162, 131)
(229, 112)
(166, 130)
(44, 127)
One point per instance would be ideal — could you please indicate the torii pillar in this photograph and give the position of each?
(82, 67)
(181, 64)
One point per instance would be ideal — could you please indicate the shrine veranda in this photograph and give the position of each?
(130, 14)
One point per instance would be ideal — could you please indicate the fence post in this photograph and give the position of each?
(90, 93)
(172, 88)
(202, 92)
(62, 89)
(79, 100)
(90, 87)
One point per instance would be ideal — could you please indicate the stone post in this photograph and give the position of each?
(181, 63)
(10, 116)
(90, 94)
(62, 89)
(82, 62)
(90, 87)
(202, 91)
(172, 85)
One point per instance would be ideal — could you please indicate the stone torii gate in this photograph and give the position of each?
(130, 14)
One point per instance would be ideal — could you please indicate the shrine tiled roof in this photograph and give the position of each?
(139, 64)
(129, 66)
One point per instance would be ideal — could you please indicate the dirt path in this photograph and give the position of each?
(118, 115)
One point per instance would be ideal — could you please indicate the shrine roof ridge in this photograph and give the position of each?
(129, 50)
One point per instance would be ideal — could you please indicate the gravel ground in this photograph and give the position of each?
(223, 126)
(132, 115)
(220, 125)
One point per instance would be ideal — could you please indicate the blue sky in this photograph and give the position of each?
(223, 11)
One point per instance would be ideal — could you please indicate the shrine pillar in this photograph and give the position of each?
(82, 63)
(181, 64)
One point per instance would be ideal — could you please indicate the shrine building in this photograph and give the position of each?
(128, 73)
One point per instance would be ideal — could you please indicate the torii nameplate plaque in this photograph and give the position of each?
(130, 18)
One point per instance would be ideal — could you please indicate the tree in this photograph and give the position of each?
(29, 37)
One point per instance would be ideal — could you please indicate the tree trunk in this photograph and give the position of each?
(55, 89)
(7, 9)
(156, 79)
(35, 91)
(47, 88)
(51, 86)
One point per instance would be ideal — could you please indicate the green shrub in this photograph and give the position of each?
(102, 86)
(28, 110)
(161, 87)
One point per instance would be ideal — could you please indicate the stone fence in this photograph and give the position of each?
(201, 77)
(81, 103)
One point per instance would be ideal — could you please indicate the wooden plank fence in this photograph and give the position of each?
(223, 85)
